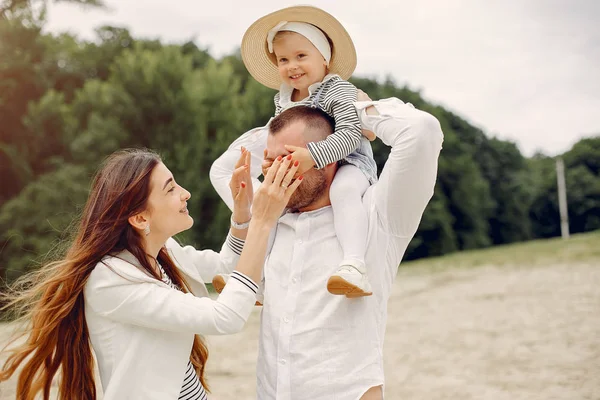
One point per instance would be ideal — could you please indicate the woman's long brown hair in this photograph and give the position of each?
(50, 302)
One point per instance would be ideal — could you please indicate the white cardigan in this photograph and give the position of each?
(142, 330)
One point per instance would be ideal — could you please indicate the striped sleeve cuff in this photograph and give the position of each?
(336, 147)
(235, 244)
(249, 283)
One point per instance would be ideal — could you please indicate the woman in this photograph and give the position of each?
(130, 292)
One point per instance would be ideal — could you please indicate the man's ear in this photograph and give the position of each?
(138, 221)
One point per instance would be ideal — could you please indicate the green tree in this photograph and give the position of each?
(583, 184)
(32, 223)
(20, 8)
(543, 213)
(468, 193)
(583, 191)
(65, 104)
(582, 178)
(504, 168)
(20, 82)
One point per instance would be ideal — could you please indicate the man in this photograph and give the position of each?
(314, 345)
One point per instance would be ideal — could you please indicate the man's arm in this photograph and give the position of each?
(255, 141)
(407, 181)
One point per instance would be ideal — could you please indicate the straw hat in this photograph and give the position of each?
(262, 65)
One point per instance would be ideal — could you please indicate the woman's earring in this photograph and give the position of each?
(147, 230)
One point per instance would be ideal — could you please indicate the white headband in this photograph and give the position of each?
(311, 32)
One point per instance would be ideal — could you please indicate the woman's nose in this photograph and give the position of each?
(185, 195)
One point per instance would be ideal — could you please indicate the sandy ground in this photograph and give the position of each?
(480, 333)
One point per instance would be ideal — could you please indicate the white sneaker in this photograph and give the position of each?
(220, 280)
(350, 280)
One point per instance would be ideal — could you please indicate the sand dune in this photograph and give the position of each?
(505, 333)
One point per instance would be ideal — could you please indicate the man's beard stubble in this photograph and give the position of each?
(312, 188)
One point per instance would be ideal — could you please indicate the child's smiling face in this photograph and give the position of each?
(300, 63)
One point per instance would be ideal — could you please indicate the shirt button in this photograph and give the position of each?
(282, 361)
(299, 241)
(286, 319)
(294, 280)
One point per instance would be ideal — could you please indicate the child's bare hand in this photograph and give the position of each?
(370, 135)
(266, 164)
(303, 157)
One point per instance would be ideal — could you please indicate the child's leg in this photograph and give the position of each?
(351, 226)
(350, 217)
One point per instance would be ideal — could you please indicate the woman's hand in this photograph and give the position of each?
(371, 110)
(270, 199)
(241, 188)
(300, 154)
(275, 191)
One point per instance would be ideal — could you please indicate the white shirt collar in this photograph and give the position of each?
(285, 90)
(288, 217)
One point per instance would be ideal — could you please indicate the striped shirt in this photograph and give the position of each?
(192, 388)
(336, 97)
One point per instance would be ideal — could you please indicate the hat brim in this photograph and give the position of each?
(262, 65)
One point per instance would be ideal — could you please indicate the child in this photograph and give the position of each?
(308, 60)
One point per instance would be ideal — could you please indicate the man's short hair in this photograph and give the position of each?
(318, 123)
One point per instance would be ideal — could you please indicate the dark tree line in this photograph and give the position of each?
(66, 103)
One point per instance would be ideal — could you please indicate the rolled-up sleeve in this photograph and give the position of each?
(255, 140)
(407, 181)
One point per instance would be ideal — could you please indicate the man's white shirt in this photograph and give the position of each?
(312, 344)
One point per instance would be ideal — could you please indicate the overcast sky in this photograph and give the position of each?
(522, 70)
